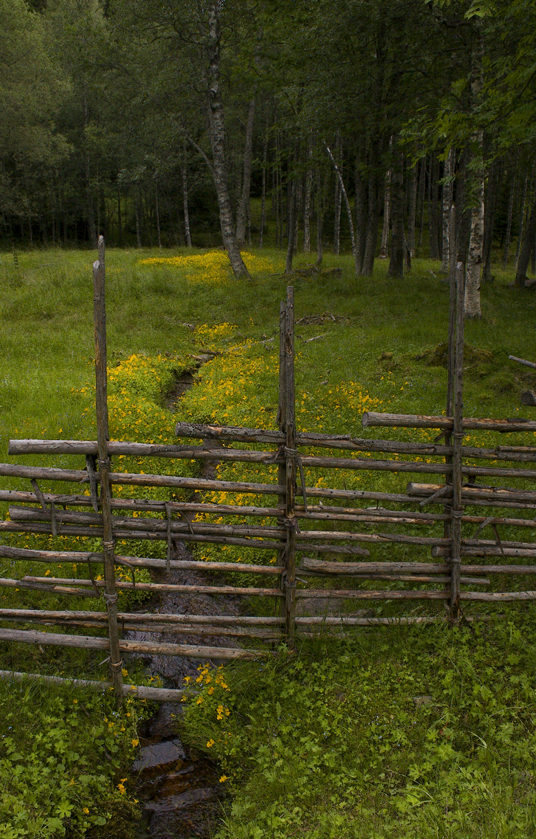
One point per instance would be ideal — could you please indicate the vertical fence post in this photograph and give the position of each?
(110, 593)
(451, 356)
(287, 469)
(457, 438)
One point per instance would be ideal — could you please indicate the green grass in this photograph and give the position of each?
(286, 777)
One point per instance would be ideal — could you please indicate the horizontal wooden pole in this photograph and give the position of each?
(47, 584)
(223, 620)
(94, 532)
(471, 492)
(89, 642)
(346, 441)
(390, 571)
(375, 567)
(140, 623)
(350, 621)
(364, 594)
(136, 562)
(386, 420)
(136, 691)
(251, 537)
(487, 550)
(496, 596)
(154, 587)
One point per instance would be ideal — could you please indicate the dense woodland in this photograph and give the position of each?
(386, 128)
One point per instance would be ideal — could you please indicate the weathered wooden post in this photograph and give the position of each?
(290, 471)
(287, 466)
(101, 401)
(457, 438)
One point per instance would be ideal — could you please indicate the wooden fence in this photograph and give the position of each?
(323, 544)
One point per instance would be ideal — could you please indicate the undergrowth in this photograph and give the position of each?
(393, 734)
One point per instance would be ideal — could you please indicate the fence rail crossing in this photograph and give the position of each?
(322, 544)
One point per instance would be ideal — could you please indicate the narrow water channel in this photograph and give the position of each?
(178, 788)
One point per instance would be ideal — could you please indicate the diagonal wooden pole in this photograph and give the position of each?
(110, 593)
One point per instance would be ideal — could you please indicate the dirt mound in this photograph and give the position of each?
(438, 357)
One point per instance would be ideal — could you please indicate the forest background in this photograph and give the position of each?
(354, 124)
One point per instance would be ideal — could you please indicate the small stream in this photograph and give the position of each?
(178, 788)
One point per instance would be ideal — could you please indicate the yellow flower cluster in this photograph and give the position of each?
(213, 265)
(219, 330)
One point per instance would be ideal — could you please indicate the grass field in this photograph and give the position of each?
(393, 733)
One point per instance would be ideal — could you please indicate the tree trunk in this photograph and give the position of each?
(372, 227)
(360, 218)
(307, 200)
(448, 172)
(527, 245)
(474, 257)
(338, 198)
(348, 208)
(263, 199)
(522, 216)
(119, 220)
(137, 212)
(509, 216)
(186, 212)
(386, 216)
(243, 206)
(412, 210)
(422, 194)
(157, 213)
(490, 202)
(319, 219)
(433, 208)
(396, 263)
(217, 141)
(291, 224)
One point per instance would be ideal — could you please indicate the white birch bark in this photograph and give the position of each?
(474, 258)
(217, 140)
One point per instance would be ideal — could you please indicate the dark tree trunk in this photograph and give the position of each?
(384, 244)
(396, 263)
(319, 219)
(490, 204)
(243, 206)
(412, 210)
(263, 199)
(522, 216)
(422, 194)
(360, 214)
(119, 218)
(509, 216)
(433, 209)
(337, 202)
(527, 245)
(307, 199)
(291, 225)
(371, 227)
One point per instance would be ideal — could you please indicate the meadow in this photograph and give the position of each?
(407, 732)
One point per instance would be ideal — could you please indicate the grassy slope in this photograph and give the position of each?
(306, 773)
